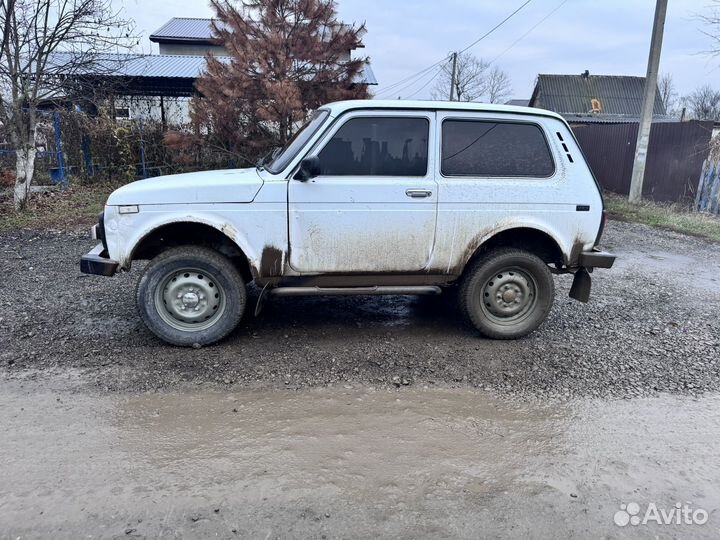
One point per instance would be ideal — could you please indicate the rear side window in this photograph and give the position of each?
(377, 146)
(489, 149)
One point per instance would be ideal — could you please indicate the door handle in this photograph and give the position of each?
(418, 193)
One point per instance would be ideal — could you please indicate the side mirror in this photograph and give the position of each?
(309, 168)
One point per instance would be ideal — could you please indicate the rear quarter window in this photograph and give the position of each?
(486, 148)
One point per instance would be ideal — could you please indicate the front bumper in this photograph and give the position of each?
(97, 262)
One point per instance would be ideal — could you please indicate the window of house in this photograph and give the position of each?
(122, 113)
(491, 149)
(377, 146)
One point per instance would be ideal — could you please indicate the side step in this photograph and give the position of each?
(346, 291)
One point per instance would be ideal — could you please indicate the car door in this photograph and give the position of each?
(497, 171)
(373, 206)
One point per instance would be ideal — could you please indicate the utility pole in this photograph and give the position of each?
(452, 78)
(648, 104)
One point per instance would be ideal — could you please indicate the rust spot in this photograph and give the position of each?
(271, 262)
(474, 245)
(229, 229)
(577, 247)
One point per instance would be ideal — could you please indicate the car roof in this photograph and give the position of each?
(339, 107)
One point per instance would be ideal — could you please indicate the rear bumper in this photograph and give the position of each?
(582, 283)
(96, 262)
(596, 259)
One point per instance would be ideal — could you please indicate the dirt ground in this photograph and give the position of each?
(360, 417)
(651, 327)
(348, 463)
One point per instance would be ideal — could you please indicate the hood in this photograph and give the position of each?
(224, 186)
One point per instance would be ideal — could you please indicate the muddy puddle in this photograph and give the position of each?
(350, 463)
(685, 270)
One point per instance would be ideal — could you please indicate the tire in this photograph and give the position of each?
(190, 296)
(507, 293)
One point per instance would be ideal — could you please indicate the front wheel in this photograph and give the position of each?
(191, 295)
(507, 293)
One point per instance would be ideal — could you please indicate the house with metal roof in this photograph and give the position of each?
(159, 86)
(182, 35)
(594, 98)
(195, 37)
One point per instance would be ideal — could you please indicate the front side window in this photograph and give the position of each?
(294, 145)
(491, 149)
(377, 146)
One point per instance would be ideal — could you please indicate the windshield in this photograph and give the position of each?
(294, 145)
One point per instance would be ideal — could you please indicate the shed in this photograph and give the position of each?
(608, 96)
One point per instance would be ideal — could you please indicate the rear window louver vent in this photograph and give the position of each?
(567, 150)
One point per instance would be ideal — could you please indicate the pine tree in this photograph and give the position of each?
(286, 58)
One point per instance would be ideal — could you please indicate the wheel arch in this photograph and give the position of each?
(531, 238)
(161, 236)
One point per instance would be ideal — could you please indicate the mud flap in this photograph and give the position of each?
(580, 289)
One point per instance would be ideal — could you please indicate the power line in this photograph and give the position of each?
(438, 72)
(400, 89)
(416, 75)
(518, 40)
(392, 87)
(498, 25)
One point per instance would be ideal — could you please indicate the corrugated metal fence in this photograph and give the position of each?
(675, 157)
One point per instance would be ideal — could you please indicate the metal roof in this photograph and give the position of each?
(161, 66)
(518, 102)
(191, 29)
(367, 76)
(572, 94)
(157, 65)
(184, 29)
(137, 65)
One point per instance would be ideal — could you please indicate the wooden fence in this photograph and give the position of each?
(708, 191)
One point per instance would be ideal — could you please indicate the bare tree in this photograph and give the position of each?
(470, 81)
(44, 43)
(474, 81)
(703, 103)
(498, 86)
(668, 95)
(711, 19)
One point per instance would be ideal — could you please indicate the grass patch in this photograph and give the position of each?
(673, 217)
(70, 208)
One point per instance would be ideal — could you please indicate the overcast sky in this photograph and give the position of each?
(609, 37)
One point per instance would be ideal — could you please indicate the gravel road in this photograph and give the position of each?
(651, 327)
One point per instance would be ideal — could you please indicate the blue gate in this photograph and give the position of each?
(708, 192)
(57, 170)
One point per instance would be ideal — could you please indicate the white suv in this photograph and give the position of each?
(369, 197)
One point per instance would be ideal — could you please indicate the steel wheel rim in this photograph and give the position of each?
(509, 295)
(190, 299)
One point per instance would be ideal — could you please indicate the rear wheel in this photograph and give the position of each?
(191, 295)
(507, 293)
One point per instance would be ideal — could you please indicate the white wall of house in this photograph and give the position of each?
(191, 50)
(150, 109)
(188, 49)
